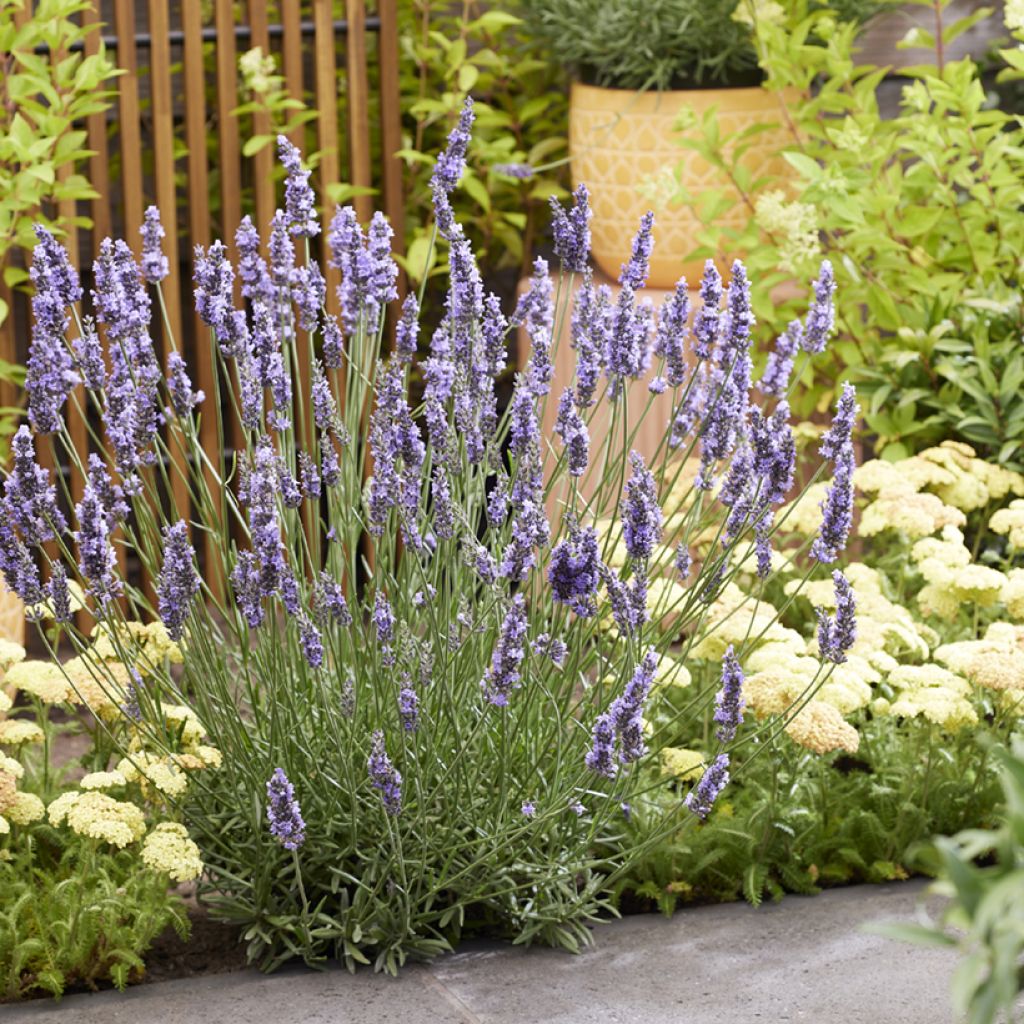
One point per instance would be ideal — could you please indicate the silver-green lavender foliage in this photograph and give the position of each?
(399, 623)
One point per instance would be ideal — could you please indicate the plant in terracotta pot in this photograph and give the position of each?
(643, 72)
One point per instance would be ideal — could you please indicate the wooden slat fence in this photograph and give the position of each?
(170, 138)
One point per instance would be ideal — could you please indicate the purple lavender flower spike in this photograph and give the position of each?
(252, 267)
(838, 633)
(441, 495)
(739, 319)
(408, 329)
(821, 318)
(574, 570)
(504, 674)
(705, 324)
(183, 398)
(682, 561)
(245, 579)
(97, 558)
(325, 412)
(50, 375)
(329, 602)
(309, 291)
(626, 710)
(334, 342)
(452, 161)
(779, 368)
(701, 799)
(590, 336)
(672, 330)
(528, 809)
(572, 231)
(179, 582)
(309, 477)
(214, 280)
(89, 357)
(601, 756)
(330, 466)
(283, 812)
(408, 707)
(384, 776)
(573, 432)
(18, 568)
(835, 442)
(524, 428)
(58, 593)
(30, 499)
(521, 172)
(299, 201)
(729, 703)
(311, 642)
(154, 263)
(634, 273)
(383, 269)
(641, 514)
(627, 355)
(384, 624)
(497, 501)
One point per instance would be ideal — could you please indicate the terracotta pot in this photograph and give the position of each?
(619, 140)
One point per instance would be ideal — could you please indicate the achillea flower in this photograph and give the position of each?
(384, 777)
(99, 816)
(641, 515)
(670, 336)
(503, 676)
(701, 799)
(729, 702)
(572, 231)
(169, 850)
(634, 273)
(299, 200)
(821, 728)
(779, 368)
(183, 398)
(154, 263)
(30, 499)
(283, 812)
(179, 581)
(705, 324)
(573, 432)
(821, 318)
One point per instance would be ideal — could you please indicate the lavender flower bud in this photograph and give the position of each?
(572, 231)
(408, 707)
(504, 674)
(183, 398)
(670, 337)
(30, 499)
(573, 432)
(836, 635)
(451, 162)
(154, 263)
(179, 582)
(634, 273)
(299, 201)
(821, 318)
(702, 797)
(408, 329)
(705, 324)
(574, 570)
(329, 602)
(729, 703)
(384, 777)
(283, 813)
(641, 515)
(779, 367)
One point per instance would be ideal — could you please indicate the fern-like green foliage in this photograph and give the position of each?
(77, 913)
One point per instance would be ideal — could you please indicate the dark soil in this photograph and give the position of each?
(212, 948)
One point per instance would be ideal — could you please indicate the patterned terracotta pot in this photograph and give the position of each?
(621, 142)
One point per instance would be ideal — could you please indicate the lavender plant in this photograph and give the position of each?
(423, 638)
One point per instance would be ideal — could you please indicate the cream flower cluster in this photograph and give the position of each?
(168, 849)
(995, 662)
(930, 692)
(1009, 522)
(794, 225)
(16, 807)
(821, 728)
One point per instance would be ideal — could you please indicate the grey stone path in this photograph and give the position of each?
(805, 959)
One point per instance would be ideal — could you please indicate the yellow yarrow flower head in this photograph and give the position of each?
(5, 703)
(152, 769)
(877, 476)
(169, 849)
(42, 679)
(913, 514)
(11, 766)
(819, 727)
(99, 816)
(671, 673)
(16, 731)
(103, 780)
(1013, 594)
(102, 686)
(681, 763)
(8, 791)
(995, 662)
(58, 809)
(25, 809)
(10, 654)
(1009, 522)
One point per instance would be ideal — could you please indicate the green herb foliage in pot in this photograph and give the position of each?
(640, 75)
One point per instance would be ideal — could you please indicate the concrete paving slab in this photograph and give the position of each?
(805, 959)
